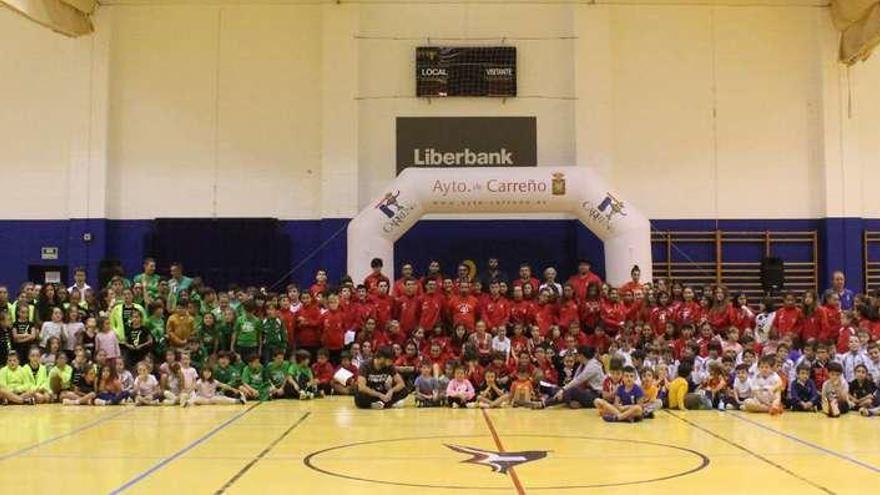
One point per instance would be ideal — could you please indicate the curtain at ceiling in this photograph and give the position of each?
(859, 24)
(69, 17)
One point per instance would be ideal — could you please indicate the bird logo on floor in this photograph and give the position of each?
(500, 462)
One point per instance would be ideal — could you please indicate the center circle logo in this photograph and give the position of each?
(473, 462)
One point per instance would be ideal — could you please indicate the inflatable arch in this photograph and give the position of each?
(576, 190)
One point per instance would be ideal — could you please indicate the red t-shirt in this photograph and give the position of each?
(333, 334)
(495, 312)
(406, 309)
(580, 283)
(464, 311)
(323, 371)
(372, 282)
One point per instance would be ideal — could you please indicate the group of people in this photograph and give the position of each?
(459, 341)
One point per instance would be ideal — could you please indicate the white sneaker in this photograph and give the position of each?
(398, 404)
(100, 402)
(377, 405)
(471, 405)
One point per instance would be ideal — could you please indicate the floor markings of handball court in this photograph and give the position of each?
(312, 447)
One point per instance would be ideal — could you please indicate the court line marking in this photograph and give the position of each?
(70, 433)
(511, 471)
(751, 452)
(260, 456)
(704, 462)
(809, 444)
(195, 443)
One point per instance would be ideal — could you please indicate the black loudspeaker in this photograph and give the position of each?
(772, 274)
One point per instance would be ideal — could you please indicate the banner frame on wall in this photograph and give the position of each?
(579, 191)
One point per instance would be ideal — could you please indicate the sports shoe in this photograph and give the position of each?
(100, 402)
(455, 405)
(377, 405)
(242, 399)
(398, 404)
(611, 418)
(471, 405)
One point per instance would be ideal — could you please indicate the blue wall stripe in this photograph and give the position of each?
(541, 241)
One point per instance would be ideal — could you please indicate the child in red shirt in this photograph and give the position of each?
(323, 370)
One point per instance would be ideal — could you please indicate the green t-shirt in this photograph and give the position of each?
(274, 333)
(247, 330)
(150, 283)
(229, 375)
(277, 373)
(208, 337)
(253, 376)
(299, 371)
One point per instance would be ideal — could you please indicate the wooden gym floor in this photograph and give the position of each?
(324, 445)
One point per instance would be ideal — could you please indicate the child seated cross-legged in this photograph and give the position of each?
(628, 400)
(301, 380)
(254, 385)
(741, 389)
(277, 373)
(862, 388)
(766, 389)
(522, 390)
(427, 393)
(459, 390)
(802, 393)
(835, 392)
(146, 387)
(348, 387)
(205, 392)
(492, 394)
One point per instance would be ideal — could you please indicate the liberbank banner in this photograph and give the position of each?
(444, 142)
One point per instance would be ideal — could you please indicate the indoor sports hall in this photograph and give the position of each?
(439, 246)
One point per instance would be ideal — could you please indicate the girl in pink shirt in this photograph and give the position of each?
(460, 391)
(107, 341)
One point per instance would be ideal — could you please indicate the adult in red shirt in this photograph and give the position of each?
(406, 273)
(434, 274)
(689, 311)
(660, 315)
(370, 333)
(720, 314)
(430, 306)
(815, 322)
(635, 283)
(522, 311)
(333, 328)
(406, 308)
(309, 324)
(789, 318)
(546, 312)
(496, 309)
(591, 306)
(373, 279)
(526, 278)
(383, 304)
(833, 316)
(568, 307)
(613, 313)
(361, 308)
(743, 316)
(582, 279)
(463, 307)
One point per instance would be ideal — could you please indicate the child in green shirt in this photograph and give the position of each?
(277, 373)
(254, 384)
(301, 378)
(247, 337)
(15, 382)
(225, 372)
(274, 333)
